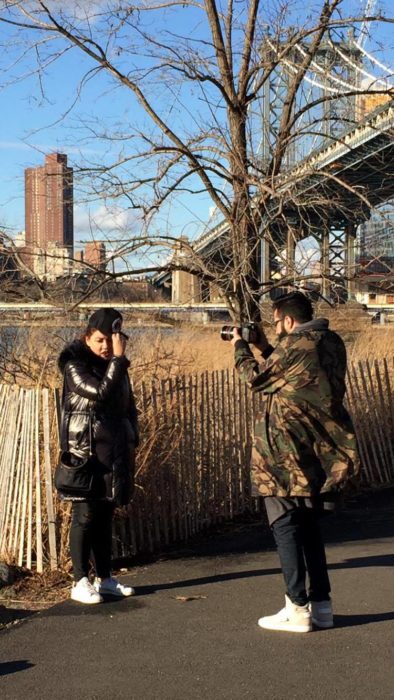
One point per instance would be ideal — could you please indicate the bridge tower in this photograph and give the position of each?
(341, 62)
(335, 65)
(336, 243)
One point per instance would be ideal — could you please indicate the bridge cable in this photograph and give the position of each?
(359, 69)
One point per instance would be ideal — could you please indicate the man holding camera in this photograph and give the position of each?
(304, 449)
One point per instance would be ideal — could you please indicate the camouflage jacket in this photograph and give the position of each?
(304, 441)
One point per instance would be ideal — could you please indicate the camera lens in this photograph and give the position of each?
(226, 333)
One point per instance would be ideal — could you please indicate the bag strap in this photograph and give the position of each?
(90, 433)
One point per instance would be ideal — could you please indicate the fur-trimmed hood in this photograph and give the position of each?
(78, 350)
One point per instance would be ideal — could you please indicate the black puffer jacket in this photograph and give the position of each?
(101, 389)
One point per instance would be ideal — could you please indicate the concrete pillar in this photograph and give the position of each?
(265, 272)
(290, 252)
(185, 288)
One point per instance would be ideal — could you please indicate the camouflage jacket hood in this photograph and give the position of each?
(316, 325)
(332, 357)
(304, 440)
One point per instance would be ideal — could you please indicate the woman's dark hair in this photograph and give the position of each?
(89, 330)
(296, 305)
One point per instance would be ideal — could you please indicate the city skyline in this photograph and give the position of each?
(101, 124)
(53, 116)
(49, 203)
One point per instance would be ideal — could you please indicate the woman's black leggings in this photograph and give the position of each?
(91, 537)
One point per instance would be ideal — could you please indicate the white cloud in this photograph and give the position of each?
(310, 254)
(103, 220)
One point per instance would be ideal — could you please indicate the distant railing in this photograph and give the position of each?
(192, 463)
(374, 125)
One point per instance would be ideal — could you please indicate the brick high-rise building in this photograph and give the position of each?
(95, 254)
(49, 203)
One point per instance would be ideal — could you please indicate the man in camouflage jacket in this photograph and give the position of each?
(304, 448)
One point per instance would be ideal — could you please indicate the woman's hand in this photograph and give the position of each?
(118, 344)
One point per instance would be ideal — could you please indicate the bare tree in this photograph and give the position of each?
(225, 108)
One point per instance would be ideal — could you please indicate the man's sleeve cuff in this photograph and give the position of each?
(267, 352)
(241, 345)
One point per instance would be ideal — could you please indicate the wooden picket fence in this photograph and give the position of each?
(192, 462)
(370, 386)
(27, 505)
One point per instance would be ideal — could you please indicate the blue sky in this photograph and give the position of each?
(33, 124)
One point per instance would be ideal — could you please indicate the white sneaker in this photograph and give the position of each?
(83, 592)
(111, 586)
(292, 618)
(322, 613)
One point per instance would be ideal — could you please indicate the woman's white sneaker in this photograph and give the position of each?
(111, 586)
(83, 592)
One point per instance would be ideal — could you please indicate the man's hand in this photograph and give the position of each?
(262, 341)
(236, 336)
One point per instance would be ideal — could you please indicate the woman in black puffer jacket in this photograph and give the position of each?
(98, 408)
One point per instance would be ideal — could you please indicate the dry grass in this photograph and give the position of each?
(29, 357)
(31, 592)
(162, 353)
(28, 354)
(376, 342)
(191, 350)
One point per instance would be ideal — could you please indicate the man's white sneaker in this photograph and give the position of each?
(83, 592)
(111, 586)
(292, 618)
(322, 616)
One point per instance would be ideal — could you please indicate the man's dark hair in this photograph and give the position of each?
(296, 305)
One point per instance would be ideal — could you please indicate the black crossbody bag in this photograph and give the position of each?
(74, 476)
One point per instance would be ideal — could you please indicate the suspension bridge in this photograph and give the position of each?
(334, 174)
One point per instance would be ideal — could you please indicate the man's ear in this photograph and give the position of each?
(290, 322)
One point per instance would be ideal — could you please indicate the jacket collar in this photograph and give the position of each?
(317, 324)
(78, 350)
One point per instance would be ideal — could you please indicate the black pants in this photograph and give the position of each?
(91, 537)
(301, 549)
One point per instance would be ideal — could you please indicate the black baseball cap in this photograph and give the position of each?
(107, 321)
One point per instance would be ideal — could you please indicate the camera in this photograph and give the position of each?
(248, 331)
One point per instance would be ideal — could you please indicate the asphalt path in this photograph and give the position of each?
(190, 633)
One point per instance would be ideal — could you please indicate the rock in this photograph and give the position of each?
(7, 576)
